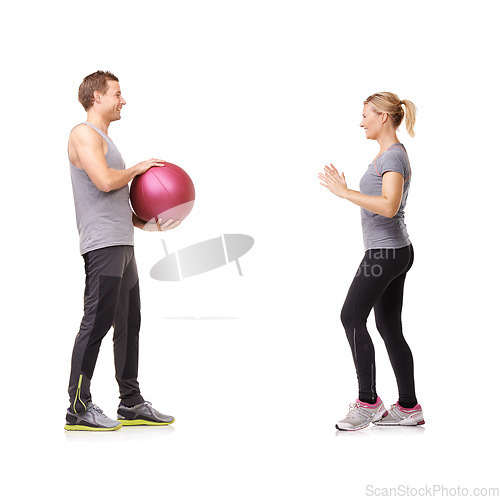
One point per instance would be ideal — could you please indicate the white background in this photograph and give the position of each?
(252, 99)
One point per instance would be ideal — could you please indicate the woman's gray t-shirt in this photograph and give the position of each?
(380, 231)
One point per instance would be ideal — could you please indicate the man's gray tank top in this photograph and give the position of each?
(103, 219)
(380, 231)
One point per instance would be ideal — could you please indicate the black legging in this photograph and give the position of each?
(379, 284)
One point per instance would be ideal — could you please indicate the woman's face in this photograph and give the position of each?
(371, 122)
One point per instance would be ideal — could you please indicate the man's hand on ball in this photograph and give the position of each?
(159, 226)
(144, 166)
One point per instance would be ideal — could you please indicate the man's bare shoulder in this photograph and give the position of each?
(84, 135)
(83, 131)
(84, 143)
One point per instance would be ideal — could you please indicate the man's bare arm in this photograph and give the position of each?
(86, 144)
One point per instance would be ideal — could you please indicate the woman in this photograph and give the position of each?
(380, 278)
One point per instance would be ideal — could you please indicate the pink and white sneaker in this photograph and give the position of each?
(397, 415)
(361, 414)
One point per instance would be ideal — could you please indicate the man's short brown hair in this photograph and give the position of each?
(97, 81)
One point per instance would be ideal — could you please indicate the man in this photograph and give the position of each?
(106, 227)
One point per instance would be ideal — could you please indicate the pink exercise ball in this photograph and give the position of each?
(162, 192)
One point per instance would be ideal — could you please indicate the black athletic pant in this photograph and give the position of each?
(111, 299)
(379, 284)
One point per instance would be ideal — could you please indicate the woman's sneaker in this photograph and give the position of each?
(143, 414)
(397, 415)
(361, 414)
(92, 419)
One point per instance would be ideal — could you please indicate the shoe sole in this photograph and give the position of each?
(143, 422)
(355, 429)
(421, 422)
(91, 429)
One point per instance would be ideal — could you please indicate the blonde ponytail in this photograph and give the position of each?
(387, 102)
(410, 116)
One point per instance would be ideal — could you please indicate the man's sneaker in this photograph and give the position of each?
(397, 415)
(142, 414)
(361, 414)
(92, 419)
